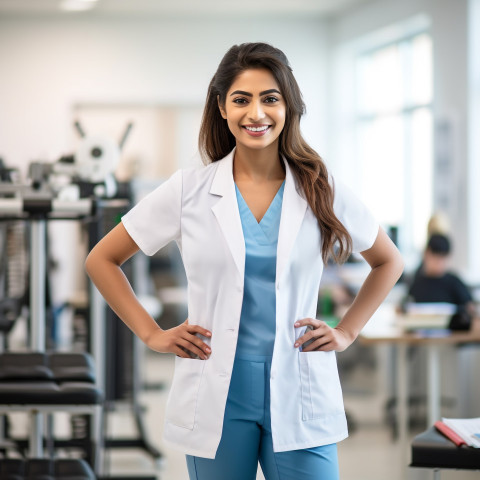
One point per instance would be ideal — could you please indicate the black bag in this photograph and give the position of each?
(461, 320)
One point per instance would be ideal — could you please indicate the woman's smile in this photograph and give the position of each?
(256, 130)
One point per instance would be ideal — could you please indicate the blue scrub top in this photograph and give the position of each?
(256, 334)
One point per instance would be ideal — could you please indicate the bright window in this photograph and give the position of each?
(394, 135)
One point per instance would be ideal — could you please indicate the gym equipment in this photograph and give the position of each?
(41, 469)
(77, 187)
(51, 382)
(37, 206)
(36, 203)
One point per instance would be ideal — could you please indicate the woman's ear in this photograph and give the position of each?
(222, 110)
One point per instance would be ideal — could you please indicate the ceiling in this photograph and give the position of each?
(317, 8)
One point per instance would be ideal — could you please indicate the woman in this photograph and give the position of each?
(254, 227)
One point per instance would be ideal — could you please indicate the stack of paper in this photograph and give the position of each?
(412, 321)
(467, 428)
(427, 316)
(431, 308)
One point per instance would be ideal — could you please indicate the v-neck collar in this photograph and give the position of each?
(226, 211)
(265, 231)
(272, 203)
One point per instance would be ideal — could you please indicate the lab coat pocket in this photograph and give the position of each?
(320, 385)
(182, 400)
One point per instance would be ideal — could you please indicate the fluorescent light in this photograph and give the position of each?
(77, 5)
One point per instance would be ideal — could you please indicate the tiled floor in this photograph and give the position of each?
(368, 454)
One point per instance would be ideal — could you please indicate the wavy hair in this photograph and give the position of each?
(216, 141)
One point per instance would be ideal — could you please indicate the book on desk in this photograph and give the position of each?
(461, 431)
(433, 319)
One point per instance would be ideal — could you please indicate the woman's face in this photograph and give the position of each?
(255, 109)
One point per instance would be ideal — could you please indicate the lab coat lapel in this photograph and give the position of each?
(226, 210)
(294, 207)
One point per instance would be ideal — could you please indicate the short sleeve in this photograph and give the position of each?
(155, 220)
(355, 216)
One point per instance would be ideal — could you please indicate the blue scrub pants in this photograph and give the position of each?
(247, 436)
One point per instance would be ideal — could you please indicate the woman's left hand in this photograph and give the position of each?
(324, 338)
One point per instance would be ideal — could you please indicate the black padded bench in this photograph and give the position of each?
(45, 469)
(48, 379)
(45, 383)
(432, 450)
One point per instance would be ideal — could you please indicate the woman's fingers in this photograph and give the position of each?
(180, 352)
(200, 330)
(320, 329)
(320, 345)
(193, 337)
(191, 347)
(332, 339)
(320, 338)
(183, 340)
(192, 342)
(309, 321)
(196, 329)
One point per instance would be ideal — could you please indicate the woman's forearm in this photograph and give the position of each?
(387, 266)
(112, 283)
(375, 288)
(103, 267)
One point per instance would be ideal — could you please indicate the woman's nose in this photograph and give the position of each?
(255, 112)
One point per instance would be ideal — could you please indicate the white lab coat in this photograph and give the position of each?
(197, 207)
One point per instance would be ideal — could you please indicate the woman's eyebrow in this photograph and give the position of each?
(265, 92)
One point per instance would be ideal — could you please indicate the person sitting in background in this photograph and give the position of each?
(433, 282)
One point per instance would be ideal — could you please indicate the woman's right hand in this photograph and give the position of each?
(181, 340)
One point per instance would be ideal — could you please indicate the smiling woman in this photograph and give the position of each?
(254, 108)
(254, 227)
(257, 68)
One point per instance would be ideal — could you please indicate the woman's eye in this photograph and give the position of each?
(240, 101)
(271, 99)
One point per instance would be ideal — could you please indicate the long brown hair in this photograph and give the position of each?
(216, 141)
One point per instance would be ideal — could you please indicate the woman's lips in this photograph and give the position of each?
(257, 133)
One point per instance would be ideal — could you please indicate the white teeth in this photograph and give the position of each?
(257, 129)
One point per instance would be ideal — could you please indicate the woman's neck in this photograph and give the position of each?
(258, 166)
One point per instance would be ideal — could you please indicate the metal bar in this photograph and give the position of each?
(37, 284)
(98, 334)
(433, 365)
(79, 128)
(82, 206)
(17, 207)
(98, 441)
(125, 135)
(402, 401)
(36, 435)
(13, 407)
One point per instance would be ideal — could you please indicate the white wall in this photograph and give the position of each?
(49, 64)
(449, 30)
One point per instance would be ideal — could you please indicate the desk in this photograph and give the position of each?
(432, 450)
(384, 327)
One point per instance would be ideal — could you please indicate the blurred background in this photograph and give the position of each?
(393, 106)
